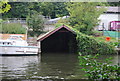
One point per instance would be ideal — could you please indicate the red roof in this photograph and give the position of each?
(40, 38)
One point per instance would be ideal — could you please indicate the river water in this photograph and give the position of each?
(55, 66)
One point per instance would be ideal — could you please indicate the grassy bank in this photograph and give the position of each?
(12, 28)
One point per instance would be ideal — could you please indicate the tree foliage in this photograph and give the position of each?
(114, 3)
(23, 9)
(19, 10)
(35, 23)
(84, 16)
(4, 7)
(51, 9)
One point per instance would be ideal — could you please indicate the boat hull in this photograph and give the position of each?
(18, 50)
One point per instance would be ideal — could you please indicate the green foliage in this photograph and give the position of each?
(4, 7)
(113, 41)
(23, 9)
(114, 3)
(35, 23)
(58, 25)
(97, 33)
(84, 16)
(12, 28)
(98, 70)
(20, 9)
(89, 45)
(66, 21)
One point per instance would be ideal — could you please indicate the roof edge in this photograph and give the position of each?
(41, 38)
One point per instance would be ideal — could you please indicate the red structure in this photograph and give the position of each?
(108, 38)
(61, 39)
(115, 25)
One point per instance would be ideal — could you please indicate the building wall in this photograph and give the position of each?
(106, 18)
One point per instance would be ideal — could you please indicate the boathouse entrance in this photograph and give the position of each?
(60, 40)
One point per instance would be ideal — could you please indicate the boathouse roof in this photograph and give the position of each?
(44, 36)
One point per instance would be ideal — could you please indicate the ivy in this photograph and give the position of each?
(97, 70)
(89, 45)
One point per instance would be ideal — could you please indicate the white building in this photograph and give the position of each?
(112, 14)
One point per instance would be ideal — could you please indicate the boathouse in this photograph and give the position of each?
(59, 40)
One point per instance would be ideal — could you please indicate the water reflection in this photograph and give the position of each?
(58, 66)
(13, 67)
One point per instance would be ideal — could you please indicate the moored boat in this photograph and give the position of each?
(15, 45)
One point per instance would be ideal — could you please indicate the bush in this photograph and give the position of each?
(13, 28)
(99, 70)
(89, 45)
(97, 33)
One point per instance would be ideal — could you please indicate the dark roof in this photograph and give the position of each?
(111, 8)
(44, 36)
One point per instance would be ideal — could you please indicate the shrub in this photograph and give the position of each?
(89, 45)
(13, 28)
(99, 70)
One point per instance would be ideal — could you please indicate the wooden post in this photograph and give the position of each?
(103, 29)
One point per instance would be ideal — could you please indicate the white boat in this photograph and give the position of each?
(15, 45)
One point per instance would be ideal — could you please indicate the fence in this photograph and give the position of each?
(115, 34)
(15, 20)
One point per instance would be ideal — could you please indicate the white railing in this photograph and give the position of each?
(15, 20)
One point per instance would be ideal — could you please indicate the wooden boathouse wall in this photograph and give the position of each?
(59, 40)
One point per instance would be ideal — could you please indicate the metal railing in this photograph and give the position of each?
(15, 20)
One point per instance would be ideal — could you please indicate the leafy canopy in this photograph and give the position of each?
(84, 16)
(23, 9)
(4, 6)
(35, 23)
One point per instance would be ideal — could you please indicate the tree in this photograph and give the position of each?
(84, 16)
(60, 9)
(36, 24)
(114, 3)
(23, 9)
(20, 9)
(53, 10)
(4, 7)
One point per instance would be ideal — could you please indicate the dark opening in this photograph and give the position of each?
(62, 41)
